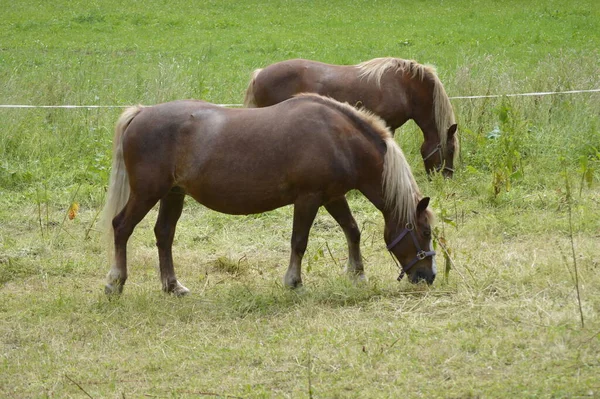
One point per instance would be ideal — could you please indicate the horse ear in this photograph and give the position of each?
(452, 130)
(422, 205)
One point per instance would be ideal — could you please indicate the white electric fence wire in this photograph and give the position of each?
(542, 93)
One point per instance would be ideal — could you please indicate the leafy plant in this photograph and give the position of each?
(507, 148)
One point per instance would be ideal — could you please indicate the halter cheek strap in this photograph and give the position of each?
(436, 149)
(439, 167)
(420, 253)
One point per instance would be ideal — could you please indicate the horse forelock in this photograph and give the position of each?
(400, 191)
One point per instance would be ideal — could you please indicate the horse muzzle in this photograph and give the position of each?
(420, 276)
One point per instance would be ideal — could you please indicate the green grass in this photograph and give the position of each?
(505, 322)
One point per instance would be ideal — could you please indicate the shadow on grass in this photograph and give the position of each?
(235, 299)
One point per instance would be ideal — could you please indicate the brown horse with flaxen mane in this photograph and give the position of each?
(395, 89)
(307, 151)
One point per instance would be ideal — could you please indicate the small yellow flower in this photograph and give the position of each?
(73, 209)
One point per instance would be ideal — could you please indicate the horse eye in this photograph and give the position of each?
(427, 233)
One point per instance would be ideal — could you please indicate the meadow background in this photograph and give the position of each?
(520, 220)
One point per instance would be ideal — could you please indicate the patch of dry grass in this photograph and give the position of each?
(506, 323)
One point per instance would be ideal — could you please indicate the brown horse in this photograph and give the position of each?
(395, 89)
(307, 151)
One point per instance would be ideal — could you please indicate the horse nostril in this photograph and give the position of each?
(431, 279)
(422, 276)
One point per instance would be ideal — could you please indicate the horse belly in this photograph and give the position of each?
(254, 188)
(238, 198)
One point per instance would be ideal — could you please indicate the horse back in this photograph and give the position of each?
(283, 80)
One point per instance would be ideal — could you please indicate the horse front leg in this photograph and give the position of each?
(305, 211)
(168, 214)
(340, 211)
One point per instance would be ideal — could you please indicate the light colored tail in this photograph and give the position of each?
(249, 101)
(118, 186)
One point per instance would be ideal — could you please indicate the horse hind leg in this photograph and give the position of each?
(340, 211)
(169, 212)
(305, 211)
(123, 224)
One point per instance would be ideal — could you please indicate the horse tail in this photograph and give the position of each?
(249, 100)
(118, 186)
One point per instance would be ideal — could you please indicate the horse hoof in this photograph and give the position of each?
(356, 276)
(293, 285)
(113, 289)
(179, 290)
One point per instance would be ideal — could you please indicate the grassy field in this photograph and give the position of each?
(521, 218)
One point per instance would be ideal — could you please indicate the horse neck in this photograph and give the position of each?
(402, 192)
(422, 107)
(374, 194)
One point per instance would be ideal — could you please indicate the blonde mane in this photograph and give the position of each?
(377, 124)
(375, 68)
(400, 191)
(443, 113)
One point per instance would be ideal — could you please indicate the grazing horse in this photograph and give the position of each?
(307, 151)
(395, 89)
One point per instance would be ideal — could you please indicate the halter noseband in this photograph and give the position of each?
(420, 253)
(440, 167)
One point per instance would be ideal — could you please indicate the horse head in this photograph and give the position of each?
(411, 244)
(438, 157)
